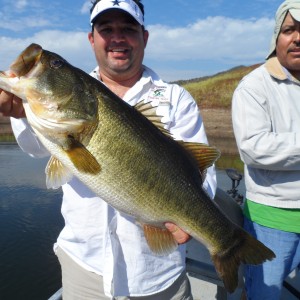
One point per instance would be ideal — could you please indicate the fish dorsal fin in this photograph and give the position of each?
(81, 158)
(56, 174)
(149, 111)
(160, 240)
(204, 154)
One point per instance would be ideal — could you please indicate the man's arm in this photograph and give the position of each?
(261, 144)
(12, 106)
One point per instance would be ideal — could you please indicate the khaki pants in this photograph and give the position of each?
(80, 284)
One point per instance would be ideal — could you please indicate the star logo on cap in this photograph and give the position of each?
(116, 2)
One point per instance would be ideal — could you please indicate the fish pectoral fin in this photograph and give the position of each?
(160, 240)
(56, 174)
(204, 154)
(81, 158)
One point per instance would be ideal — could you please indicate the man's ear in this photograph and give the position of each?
(146, 37)
(91, 39)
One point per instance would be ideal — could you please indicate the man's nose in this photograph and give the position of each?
(297, 36)
(118, 35)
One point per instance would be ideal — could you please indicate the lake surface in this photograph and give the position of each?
(30, 221)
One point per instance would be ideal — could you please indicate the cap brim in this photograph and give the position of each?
(116, 8)
(127, 6)
(295, 13)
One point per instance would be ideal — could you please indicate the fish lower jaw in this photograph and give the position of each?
(7, 84)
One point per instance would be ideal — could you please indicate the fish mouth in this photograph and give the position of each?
(25, 61)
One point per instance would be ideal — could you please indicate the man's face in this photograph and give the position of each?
(288, 45)
(118, 42)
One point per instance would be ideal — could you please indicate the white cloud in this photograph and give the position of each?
(21, 4)
(205, 47)
(23, 15)
(86, 7)
(216, 38)
(73, 46)
(25, 22)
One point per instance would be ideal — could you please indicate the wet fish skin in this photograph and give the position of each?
(126, 159)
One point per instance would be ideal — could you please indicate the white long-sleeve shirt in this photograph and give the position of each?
(266, 122)
(98, 237)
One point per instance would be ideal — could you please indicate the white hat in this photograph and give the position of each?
(128, 6)
(291, 6)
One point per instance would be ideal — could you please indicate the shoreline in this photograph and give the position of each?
(8, 143)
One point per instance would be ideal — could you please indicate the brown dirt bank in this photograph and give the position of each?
(218, 126)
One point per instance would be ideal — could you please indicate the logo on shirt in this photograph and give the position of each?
(158, 93)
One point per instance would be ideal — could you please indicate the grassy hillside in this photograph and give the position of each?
(216, 91)
(214, 95)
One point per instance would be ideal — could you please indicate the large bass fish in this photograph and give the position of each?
(127, 158)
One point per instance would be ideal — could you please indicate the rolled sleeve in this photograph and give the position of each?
(27, 139)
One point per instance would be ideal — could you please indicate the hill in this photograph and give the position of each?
(213, 95)
(216, 91)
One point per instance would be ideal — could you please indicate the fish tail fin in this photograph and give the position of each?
(247, 251)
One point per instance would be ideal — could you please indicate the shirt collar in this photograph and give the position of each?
(149, 79)
(277, 71)
(147, 76)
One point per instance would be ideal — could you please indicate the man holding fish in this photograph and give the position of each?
(103, 253)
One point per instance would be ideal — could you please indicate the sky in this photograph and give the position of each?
(188, 38)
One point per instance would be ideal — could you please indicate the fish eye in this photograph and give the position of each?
(56, 63)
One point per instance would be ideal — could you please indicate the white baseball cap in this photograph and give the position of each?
(128, 6)
(291, 6)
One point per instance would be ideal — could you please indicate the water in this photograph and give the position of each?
(30, 221)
